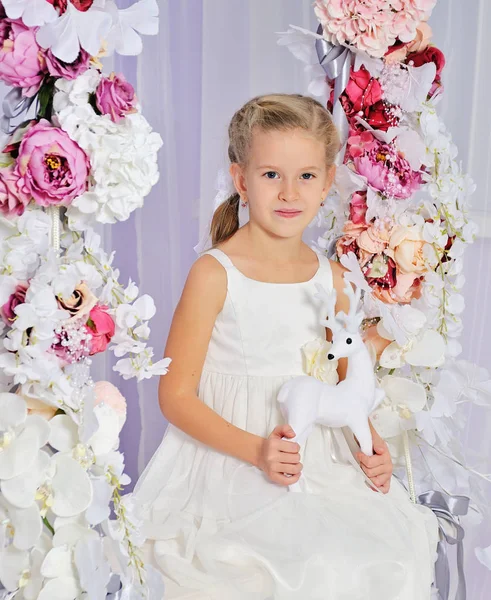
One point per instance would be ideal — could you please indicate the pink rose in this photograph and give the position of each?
(101, 327)
(359, 144)
(22, 61)
(53, 168)
(7, 311)
(115, 97)
(13, 200)
(58, 68)
(358, 208)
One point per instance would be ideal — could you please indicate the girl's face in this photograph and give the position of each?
(285, 180)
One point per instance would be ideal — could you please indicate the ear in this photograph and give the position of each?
(237, 173)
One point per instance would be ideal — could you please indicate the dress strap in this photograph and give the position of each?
(325, 267)
(221, 257)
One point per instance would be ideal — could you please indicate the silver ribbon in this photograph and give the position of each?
(448, 508)
(336, 62)
(14, 104)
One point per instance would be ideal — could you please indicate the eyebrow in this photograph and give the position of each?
(311, 168)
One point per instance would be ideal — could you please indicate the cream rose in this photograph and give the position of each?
(373, 240)
(406, 247)
(80, 303)
(315, 361)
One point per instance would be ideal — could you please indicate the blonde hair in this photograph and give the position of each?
(272, 112)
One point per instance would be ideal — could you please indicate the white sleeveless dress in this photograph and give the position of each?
(218, 529)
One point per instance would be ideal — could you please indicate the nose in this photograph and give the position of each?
(330, 356)
(288, 192)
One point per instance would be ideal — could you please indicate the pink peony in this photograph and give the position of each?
(13, 200)
(101, 326)
(52, 167)
(115, 97)
(7, 311)
(22, 61)
(387, 171)
(58, 68)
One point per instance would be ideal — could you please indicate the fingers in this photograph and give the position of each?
(371, 461)
(292, 469)
(282, 431)
(376, 470)
(291, 447)
(290, 458)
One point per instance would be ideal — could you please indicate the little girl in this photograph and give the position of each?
(221, 522)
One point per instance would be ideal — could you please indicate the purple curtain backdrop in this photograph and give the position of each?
(167, 247)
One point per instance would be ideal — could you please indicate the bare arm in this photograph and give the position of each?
(202, 299)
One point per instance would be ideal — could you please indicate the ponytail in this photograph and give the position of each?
(225, 220)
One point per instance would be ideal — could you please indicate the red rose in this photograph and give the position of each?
(60, 5)
(101, 326)
(431, 54)
(363, 90)
(363, 97)
(82, 5)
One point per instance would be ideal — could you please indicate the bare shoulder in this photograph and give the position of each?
(207, 282)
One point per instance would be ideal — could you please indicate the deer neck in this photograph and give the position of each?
(360, 365)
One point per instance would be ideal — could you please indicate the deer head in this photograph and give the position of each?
(346, 338)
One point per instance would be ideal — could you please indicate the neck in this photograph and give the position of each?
(280, 251)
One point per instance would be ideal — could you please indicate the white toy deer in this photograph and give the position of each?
(305, 401)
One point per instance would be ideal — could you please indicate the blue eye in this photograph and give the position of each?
(311, 176)
(269, 173)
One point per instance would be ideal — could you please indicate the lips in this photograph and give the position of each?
(288, 213)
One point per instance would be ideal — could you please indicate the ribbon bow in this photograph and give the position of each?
(336, 62)
(447, 508)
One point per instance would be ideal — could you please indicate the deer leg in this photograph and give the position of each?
(361, 430)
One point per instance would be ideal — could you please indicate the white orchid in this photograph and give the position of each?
(403, 398)
(21, 437)
(32, 12)
(128, 23)
(75, 29)
(141, 366)
(301, 43)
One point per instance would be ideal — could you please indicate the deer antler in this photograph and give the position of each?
(353, 319)
(328, 307)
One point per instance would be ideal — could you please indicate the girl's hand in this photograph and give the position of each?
(379, 466)
(279, 456)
